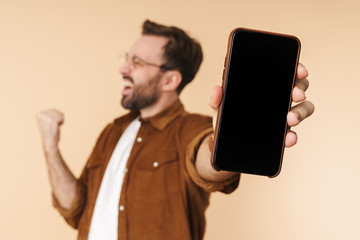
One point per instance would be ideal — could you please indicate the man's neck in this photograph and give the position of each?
(163, 103)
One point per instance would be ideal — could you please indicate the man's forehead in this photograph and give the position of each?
(149, 45)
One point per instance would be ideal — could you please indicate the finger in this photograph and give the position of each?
(300, 112)
(298, 93)
(302, 83)
(290, 139)
(302, 72)
(215, 97)
(56, 115)
(51, 116)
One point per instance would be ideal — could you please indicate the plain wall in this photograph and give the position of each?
(64, 55)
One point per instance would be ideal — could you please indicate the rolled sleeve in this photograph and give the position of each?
(227, 186)
(73, 214)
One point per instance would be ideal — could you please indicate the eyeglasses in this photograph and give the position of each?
(136, 62)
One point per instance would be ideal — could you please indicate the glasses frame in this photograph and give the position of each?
(136, 62)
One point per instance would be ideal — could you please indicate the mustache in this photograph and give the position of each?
(128, 78)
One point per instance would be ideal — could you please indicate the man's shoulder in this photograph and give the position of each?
(191, 124)
(196, 118)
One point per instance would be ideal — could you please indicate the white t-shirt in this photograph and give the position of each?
(104, 222)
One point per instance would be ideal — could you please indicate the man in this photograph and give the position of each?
(149, 175)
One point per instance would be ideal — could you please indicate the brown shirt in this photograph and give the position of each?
(165, 200)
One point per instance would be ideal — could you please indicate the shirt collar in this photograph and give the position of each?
(162, 119)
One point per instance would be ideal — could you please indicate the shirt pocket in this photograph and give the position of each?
(155, 178)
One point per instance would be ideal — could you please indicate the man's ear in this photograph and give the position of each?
(172, 80)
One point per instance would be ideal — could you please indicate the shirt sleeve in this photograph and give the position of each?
(227, 186)
(73, 214)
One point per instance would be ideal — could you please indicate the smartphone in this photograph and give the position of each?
(259, 74)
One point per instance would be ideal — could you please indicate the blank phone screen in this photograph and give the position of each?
(257, 97)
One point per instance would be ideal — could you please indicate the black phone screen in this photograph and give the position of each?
(259, 78)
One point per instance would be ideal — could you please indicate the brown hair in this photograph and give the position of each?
(182, 52)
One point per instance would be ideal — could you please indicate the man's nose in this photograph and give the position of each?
(125, 68)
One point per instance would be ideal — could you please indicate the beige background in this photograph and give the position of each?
(64, 54)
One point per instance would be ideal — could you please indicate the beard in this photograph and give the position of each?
(143, 95)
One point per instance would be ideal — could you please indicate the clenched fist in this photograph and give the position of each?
(49, 122)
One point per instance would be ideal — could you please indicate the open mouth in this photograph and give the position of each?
(128, 86)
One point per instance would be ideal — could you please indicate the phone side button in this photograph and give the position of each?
(223, 75)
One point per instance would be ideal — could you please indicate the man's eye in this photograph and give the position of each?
(137, 62)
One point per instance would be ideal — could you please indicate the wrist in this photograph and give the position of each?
(50, 149)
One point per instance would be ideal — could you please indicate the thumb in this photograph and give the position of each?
(214, 102)
(215, 97)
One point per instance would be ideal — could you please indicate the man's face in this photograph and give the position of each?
(142, 74)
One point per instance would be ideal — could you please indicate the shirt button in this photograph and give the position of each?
(155, 164)
(139, 139)
(121, 208)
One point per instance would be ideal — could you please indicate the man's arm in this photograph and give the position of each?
(298, 113)
(62, 181)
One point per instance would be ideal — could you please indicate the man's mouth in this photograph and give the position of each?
(128, 85)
